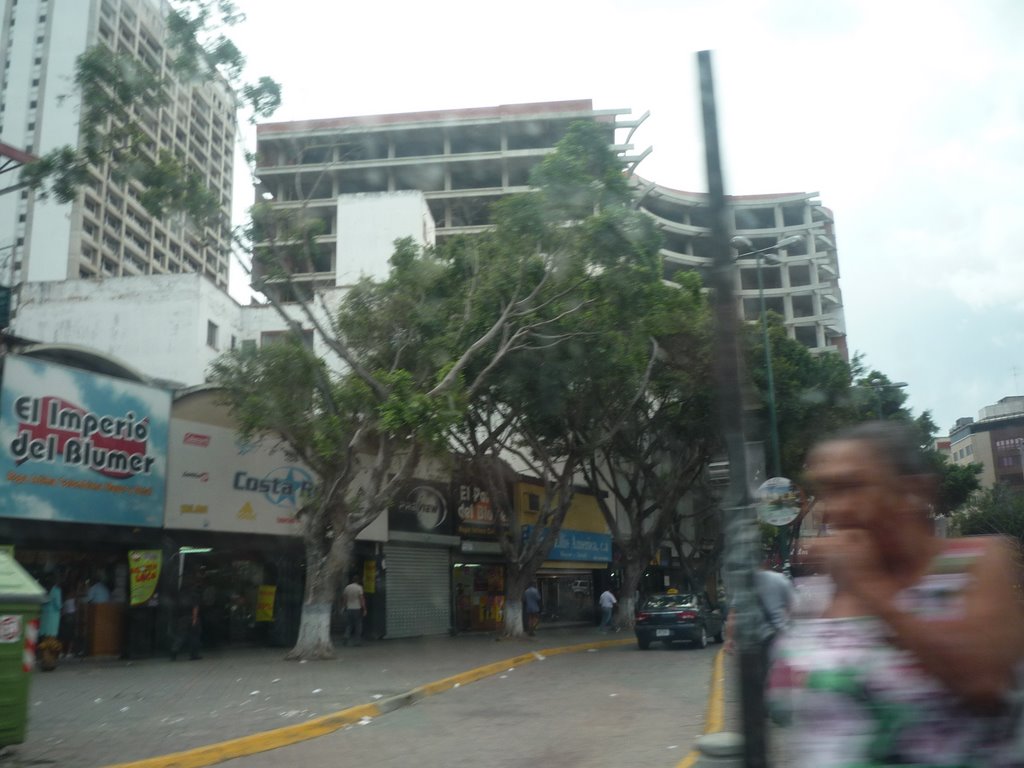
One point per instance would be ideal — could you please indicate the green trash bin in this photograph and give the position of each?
(20, 598)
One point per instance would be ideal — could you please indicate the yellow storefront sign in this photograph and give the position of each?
(144, 574)
(584, 513)
(369, 577)
(265, 602)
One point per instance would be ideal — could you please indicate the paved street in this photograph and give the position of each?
(599, 709)
(95, 713)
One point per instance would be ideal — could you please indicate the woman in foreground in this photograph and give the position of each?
(908, 649)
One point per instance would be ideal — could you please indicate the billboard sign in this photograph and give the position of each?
(422, 507)
(78, 446)
(579, 546)
(475, 515)
(221, 483)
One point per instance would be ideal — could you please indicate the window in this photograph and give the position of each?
(234, 342)
(275, 337)
(211, 334)
(533, 502)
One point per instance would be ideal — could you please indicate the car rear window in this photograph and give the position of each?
(670, 601)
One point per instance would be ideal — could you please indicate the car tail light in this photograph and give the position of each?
(686, 615)
(643, 617)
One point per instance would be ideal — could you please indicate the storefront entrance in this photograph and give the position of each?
(566, 597)
(479, 596)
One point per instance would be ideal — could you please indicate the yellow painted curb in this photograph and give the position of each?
(714, 716)
(264, 741)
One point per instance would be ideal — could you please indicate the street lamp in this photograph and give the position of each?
(878, 385)
(762, 254)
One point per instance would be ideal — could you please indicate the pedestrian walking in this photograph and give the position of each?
(353, 598)
(774, 596)
(189, 624)
(607, 602)
(531, 607)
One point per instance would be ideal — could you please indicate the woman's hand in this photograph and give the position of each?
(852, 559)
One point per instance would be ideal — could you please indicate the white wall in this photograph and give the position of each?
(368, 225)
(157, 324)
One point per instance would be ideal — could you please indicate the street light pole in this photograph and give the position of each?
(741, 531)
(773, 421)
(878, 385)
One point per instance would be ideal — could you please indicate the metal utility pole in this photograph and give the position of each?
(742, 540)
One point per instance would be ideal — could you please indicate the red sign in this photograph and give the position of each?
(194, 438)
(10, 628)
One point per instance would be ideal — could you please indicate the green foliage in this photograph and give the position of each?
(816, 395)
(262, 96)
(957, 483)
(812, 392)
(998, 510)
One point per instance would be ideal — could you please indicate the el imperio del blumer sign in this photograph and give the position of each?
(81, 447)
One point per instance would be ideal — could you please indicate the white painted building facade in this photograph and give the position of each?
(172, 327)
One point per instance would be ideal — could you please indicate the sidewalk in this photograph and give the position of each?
(93, 713)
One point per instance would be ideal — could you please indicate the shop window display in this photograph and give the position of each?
(479, 597)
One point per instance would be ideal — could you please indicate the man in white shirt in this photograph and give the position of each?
(607, 602)
(353, 599)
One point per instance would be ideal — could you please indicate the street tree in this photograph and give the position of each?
(997, 510)
(812, 393)
(400, 349)
(540, 417)
(649, 458)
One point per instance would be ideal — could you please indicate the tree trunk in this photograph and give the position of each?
(515, 585)
(325, 565)
(632, 570)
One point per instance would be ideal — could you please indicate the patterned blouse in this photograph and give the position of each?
(846, 697)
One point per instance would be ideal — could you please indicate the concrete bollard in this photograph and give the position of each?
(720, 750)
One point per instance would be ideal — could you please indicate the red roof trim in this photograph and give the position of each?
(6, 150)
(441, 115)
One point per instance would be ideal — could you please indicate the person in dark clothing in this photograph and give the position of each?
(189, 625)
(531, 606)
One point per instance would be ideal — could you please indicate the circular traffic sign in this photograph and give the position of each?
(778, 501)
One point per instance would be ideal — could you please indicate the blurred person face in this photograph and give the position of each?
(858, 490)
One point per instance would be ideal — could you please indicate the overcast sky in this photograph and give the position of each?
(906, 117)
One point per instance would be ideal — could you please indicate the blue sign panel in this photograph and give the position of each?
(80, 447)
(583, 546)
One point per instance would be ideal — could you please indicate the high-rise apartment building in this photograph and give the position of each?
(461, 160)
(799, 281)
(105, 231)
(464, 160)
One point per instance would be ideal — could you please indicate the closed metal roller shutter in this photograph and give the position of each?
(418, 591)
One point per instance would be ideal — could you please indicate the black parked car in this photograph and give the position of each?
(669, 618)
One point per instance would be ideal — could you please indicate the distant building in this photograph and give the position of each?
(105, 231)
(995, 440)
(462, 160)
(802, 288)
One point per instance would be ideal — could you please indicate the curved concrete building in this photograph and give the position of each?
(803, 287)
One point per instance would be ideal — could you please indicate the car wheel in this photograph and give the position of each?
(702, 641)
(643, 643)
